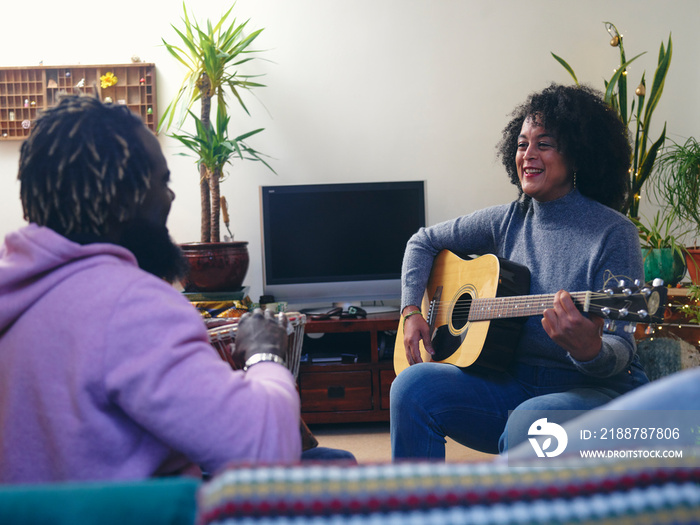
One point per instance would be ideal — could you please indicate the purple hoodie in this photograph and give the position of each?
(106, 373)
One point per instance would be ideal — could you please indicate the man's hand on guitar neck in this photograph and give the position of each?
(415, 329)
(581, 336)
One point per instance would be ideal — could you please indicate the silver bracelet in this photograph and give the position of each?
(264, 356)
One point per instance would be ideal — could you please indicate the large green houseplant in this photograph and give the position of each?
(645, 150)
(677, 187)
(212, 55)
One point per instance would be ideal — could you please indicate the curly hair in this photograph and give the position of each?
(83, 168)
(589, 134)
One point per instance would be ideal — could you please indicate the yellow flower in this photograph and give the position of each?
(108, 80)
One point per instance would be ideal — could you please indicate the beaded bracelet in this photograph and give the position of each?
(409, 314)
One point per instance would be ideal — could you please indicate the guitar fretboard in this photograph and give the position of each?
(484, 309)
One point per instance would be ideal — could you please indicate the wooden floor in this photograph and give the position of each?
(370, 443)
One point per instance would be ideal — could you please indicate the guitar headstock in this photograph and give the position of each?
(631, 302)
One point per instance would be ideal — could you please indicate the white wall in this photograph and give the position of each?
(369, 90)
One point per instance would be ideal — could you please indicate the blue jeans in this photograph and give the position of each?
(664, 401)
(430, 401)
(328, 454)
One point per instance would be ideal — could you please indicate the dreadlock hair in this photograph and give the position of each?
(589, 133)
(83, 167)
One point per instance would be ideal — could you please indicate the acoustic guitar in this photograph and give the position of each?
(475, 309)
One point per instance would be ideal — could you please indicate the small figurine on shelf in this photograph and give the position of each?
(80, 84)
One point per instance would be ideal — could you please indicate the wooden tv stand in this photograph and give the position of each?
(336, 392)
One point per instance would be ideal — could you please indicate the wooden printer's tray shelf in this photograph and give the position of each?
(26, 91)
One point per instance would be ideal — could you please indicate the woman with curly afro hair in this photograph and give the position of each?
(569, 155)
(590, 135)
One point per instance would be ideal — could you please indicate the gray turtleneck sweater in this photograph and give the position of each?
(573, 244)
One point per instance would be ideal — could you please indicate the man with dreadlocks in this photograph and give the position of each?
(105, 369)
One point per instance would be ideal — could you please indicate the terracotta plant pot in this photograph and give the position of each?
(692, 259)
(215, 266)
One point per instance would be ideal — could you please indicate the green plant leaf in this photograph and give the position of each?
(248, 135)
(613, 82)
(648, 160)
(659, 81)
(566, 66)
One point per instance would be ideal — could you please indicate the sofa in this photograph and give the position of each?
(170, 501)
(568, 490)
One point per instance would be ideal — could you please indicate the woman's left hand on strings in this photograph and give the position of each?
(581, 336)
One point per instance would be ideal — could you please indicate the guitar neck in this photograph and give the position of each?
(484, 309)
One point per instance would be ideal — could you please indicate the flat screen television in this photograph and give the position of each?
(338, 244)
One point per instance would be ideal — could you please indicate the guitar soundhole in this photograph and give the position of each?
(460, 312)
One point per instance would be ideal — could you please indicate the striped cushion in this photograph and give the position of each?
(582, 491)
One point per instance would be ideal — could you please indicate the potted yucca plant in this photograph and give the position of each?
(213, 55)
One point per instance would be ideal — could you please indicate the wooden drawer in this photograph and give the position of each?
(385, 379)
(336, 391)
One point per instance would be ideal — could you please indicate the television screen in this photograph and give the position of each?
(338, 243)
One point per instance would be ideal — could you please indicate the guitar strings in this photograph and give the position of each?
(519, 305)
(465, 304)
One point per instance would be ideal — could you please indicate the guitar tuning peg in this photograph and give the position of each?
(638, 283)
(627, 291)
(622, 283)
(630, 328)
(609, 291)
(623, 312)
(642, 314)
(657, 282)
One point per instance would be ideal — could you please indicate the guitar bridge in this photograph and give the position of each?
(433, 306)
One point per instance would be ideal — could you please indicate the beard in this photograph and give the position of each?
(155, 251)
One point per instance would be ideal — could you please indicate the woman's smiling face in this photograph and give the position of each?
(542, 169)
